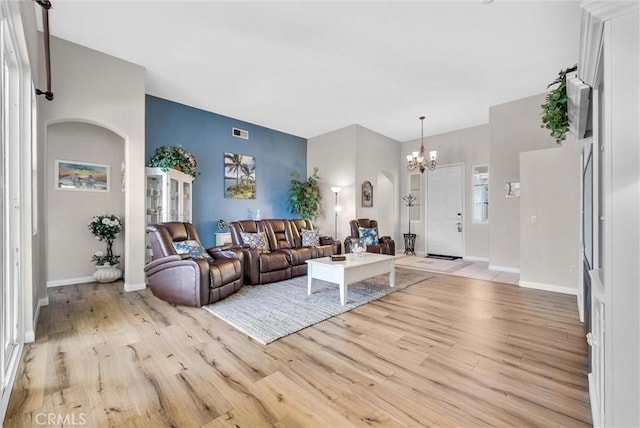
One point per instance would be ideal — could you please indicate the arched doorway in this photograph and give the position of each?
(70, 245)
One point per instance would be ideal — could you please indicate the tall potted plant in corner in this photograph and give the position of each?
(304, 196)
(554, 111)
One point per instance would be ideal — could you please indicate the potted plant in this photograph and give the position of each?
(174, 157)
(554, 111)
(304, 196)
(106, 227)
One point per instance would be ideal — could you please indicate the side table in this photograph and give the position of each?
(223, 238)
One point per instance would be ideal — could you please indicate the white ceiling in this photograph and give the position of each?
(307, 68)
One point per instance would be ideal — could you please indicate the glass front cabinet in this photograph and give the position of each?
(168, 197)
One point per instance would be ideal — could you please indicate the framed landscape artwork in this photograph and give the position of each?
(239, 176)
(82, 176)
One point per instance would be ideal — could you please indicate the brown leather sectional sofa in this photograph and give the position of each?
(283, 256)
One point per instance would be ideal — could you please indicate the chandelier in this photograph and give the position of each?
(418, 159)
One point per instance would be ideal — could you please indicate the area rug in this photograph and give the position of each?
(268, 312)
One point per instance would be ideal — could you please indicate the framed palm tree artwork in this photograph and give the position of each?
(239, 176)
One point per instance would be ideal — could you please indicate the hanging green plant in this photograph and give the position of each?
(554, 111)
(304, 196)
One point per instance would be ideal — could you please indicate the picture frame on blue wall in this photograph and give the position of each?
(239, 176)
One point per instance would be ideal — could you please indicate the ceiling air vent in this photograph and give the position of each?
(240, 133)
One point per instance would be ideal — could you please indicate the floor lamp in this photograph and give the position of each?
(338, 208)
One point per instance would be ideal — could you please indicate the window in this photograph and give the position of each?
(480, 194)
(15, 191)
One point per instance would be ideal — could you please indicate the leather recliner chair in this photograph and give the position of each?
(184, 280)
(385, 245)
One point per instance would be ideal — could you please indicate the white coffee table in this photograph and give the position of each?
(351, 270)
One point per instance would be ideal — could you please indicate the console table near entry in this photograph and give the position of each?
(223, 238)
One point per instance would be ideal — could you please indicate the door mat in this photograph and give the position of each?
(441, 257)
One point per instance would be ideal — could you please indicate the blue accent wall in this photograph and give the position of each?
(208, 136)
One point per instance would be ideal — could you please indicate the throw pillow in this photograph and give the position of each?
(310, 238)
(257, 241)
(369, 235)
(192, 247)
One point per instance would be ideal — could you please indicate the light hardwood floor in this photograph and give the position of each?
(449, 351)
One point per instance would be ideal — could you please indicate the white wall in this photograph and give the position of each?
(377, 163)
(514, 127)
(346, 158)
(70, 244)
(621, 193)
(334, 154)
(549, 243)
(470, 147)
(95, 88)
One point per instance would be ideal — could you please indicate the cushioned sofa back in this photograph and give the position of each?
(163, 235)
(362, 222)
(279, 233)
(247, 226)
(296, 225)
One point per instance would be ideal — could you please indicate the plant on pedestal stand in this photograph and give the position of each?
(106, 227)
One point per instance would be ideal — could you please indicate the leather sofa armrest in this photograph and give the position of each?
(389, 243)
(251, 264)
(228, 253)
(330, 240)
(347, 243)
(199, 265)
(163, 260)
(179, 280)
(223, 252)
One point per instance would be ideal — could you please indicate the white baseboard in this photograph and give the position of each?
(70, 281)
(134, 287)
(548, 287)
(504, 269)
(476, 259)
(580, 307)
(30, 335)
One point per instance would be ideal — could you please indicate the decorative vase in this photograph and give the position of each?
(105, 273)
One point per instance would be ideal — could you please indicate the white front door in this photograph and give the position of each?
(445, 202)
